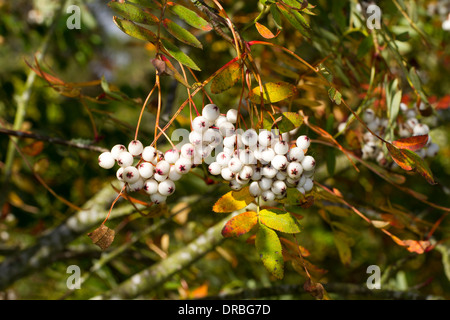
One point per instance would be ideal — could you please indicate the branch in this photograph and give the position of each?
(78, 145)
(150, 278)
(55, 241)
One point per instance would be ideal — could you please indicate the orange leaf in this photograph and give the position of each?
(412, 143)
(233, 201)
(33, 149)
(265, 32)
(240, 224)
(416, 246)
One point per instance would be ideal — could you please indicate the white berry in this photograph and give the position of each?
(130, 174)
(232, 115)
(294, 170)
(146, 170)
(279, 162)
(106, 160)
(166, 188)
(149, 154)
(303, 142)
(135, 147)
(308, 163)
(157, 198)
(117, 149)
(125, 159)
(200, 124)
(211, 112)
(151, 186)
(171, 156)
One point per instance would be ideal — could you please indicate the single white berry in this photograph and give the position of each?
(117, 149)
(162, 167)
(195, 138)
(278, 187)
(432, 150)
(268, 196)
(254, 189)
(146, 170)
(220, 120)
(228, 151)
(309, 184)
(281, 175)
(200, 124)
(235, 185)
(173, 174)
(125, 159)
(136, 186)
(421, 130)
(368, 115)
(246, 173)
(188, 151)
(151, 186)
(135, 147)
(411, 123)
(281, 147)
(265, 183)
(227, 129)
(130, 174)
(157, 198)
(106, 160)
(302, 181)
(227, 174)
(232, 115)
(269, 172)
(149, 154)
(235, 165)
(160, 177)
(171, 156)
(308, 163)
(267, 155)
(250, 138)
(215, 168)
(303, 142)
(247, 157)
(294, 170)
(296, 154)
(212, 137)
(119, 174)
(231, 141)
(257, 174)
(279, 162)
(211, 112)
(223, 159)
(265, 138)
(166, 188)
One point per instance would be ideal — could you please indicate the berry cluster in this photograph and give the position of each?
(408, 125)
(265, 161)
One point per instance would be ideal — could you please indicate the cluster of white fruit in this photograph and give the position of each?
(408, 126)
(264, 161)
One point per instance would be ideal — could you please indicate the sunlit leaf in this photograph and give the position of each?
(412, 143)
(240, 224)
(227, 78)
(268, 246)
(273, 92)
(264, 31)
(181, 34)
(233, 200)
(280, 221)
(134, 13)
(179, 55)
(134, 30)
(189, 16)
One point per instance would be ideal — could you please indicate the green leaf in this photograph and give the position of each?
(269, 248)
(240, 224)
(273, 92)
(294, 18)
(189, 16)
(276, 16)
(343, 243)
(365, 47)
(227, 78)
(134, 13)
(181, 34)
(135, 31)
(335, 96)
(280, 221)
(179, 55)
(147, 3)
(331, 161)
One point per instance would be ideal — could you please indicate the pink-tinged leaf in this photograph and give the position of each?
(265, 32)
(412, 143)
(410, 161)
(240, 224)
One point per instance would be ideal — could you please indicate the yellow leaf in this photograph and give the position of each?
(233, 200)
